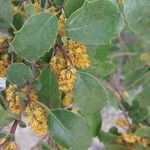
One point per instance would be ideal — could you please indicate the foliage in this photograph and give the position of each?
(65, 60)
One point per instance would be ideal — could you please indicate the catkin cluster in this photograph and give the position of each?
(64, 65)
(4, 63)
(36, 117)
(4, 58)
(130, 138)
(35, 114)
(10, 146)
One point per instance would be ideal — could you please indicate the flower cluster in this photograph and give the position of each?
(10, 146)
(61, 25)
(77, 53)
(36, 117)
(35, 114)
(130, 138)
(13, 99)
(4, 63)
(73, 55)
(122, 122)
(3, 40)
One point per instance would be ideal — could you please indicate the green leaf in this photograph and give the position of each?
(69, 129)
(4, 117)
(59, 2)
(89, 94)
(49, 93)
(138, 14)
(22, 124)
(29, 8)
(6, 16)
(107, 137)
(36, 37)
(96, 22)
(58, 131)
(95, 121)
(115, 147)
(99, 53)
(71, 6)
(144, 132)
(101, 69)
(45, 146)
(18, 21)
(19, 73)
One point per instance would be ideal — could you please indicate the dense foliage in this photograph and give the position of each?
(64, 61)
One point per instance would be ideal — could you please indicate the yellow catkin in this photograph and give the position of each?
(37, 8)
(52, 10)
(2, 39)
(143, 141)
(67, 100)
(129, 138)
(15, 9)
(78, 54)
(67, 79)
(122, 122)
(4, 63)
(36, 117)
(58, 63)
(32, 95)
(61, 25)
(11, 146)
(145, 57)
(13, 99)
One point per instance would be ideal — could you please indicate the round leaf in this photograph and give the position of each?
(19, 73)
(96, 22)
(36, 37)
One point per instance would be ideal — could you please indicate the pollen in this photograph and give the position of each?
(36, 117)
(13, 99)
(37, 8)
(67, 100)
(4, 63)
(11, 146)
(67, 79)
(78, 54)
(52, 10)
(130, 138)
(61, 25)
(122, 122)
(58, 63)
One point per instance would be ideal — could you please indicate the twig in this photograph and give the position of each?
(34, 68)
(110, 86)
(122, 54)
(62, 49)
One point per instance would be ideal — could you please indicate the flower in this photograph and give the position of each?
(13, 99)
(122, 122)
(37, 8)
(129, 138)
(67, 100)
(58, 63)
(52, 10)
(78, 54)
(11, 146)
(61, 25)
(145, 57)
(36, 117)
(67, 79)
(4, 63)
